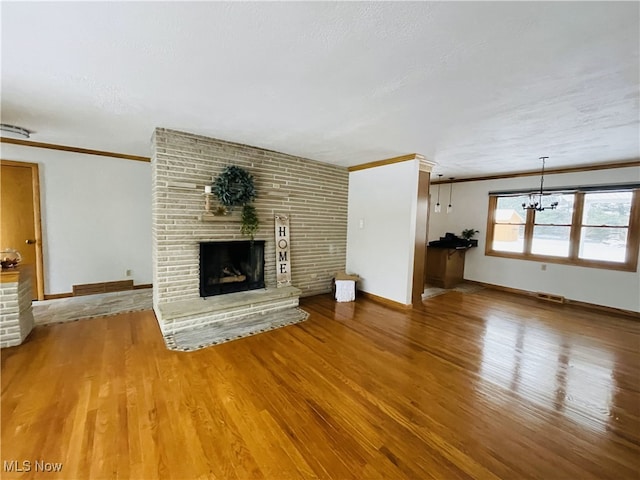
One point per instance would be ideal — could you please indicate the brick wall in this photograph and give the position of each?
(9, 315)
(312, 194)
(16, 315)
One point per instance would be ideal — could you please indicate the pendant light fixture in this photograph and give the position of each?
(450, 206)
(535, 199)
(438, 208)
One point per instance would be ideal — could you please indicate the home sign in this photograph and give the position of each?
(283, 259)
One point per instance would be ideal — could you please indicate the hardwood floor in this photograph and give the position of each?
(484, 385)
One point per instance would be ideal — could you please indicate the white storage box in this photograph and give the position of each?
(345, 286)
(345, 290)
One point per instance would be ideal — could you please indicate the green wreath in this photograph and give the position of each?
(234, 187)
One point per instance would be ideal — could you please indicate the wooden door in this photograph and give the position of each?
(20, 216)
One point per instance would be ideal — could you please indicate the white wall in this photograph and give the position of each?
(96, 216)
(381, 252)
(593, 285)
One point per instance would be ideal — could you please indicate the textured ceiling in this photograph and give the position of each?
(478, 87)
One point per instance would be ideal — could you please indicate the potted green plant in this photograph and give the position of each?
(468, 235)
(250, 222)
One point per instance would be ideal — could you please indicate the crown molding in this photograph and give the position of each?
(65, 148)
(391, 161)
(550, 171)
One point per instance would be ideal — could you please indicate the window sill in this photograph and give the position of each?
(624, 267)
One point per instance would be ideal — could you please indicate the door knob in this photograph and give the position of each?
(30, 242)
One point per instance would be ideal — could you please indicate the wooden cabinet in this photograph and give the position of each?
(445, 266)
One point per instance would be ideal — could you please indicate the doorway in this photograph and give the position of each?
(20, 226)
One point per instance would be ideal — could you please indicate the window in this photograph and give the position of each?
(509, 224)
(605, 226)
(588, 228)
(552, 228)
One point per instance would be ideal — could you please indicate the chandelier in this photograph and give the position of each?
(535, 199)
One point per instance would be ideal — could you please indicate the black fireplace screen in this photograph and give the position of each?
(228, 267)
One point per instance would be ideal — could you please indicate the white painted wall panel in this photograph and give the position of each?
(381, 229)
(96, 217)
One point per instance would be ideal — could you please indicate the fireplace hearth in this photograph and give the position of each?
(229, 267)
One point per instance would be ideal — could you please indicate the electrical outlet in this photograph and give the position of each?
(128, 273)
(543, 267)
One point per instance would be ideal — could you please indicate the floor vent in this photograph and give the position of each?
(550, 298)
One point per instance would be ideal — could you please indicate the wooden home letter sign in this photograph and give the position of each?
(283, 260)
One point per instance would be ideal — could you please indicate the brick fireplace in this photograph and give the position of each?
(312, 194)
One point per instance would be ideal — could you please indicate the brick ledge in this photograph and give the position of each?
(224, 303)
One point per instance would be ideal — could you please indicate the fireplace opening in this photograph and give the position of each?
(228, 267)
